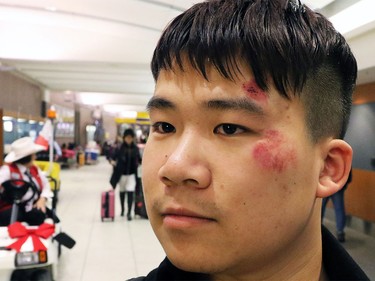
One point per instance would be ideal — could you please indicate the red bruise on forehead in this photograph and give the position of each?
(253, 91)
(273, 153)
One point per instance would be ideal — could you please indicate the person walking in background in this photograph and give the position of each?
(339, 206)
(125, 160)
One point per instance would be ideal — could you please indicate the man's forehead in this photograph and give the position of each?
(232, 71)
(222, 94)
(188, 79)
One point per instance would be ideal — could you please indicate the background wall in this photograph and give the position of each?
(83, 117)
(361, 136)
(110, 126)
(360, 195)
(19, 96)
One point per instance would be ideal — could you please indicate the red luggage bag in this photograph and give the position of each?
(108, 205)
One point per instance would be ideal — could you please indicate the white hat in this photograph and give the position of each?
(21, 148)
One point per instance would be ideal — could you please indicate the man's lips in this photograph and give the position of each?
(179, 211)
(182, 218)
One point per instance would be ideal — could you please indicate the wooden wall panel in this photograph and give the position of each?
(20, 96)
(364, 93)
(360, 195)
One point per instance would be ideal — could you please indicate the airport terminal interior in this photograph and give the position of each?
(78, 74)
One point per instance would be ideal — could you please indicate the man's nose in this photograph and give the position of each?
(187, 164)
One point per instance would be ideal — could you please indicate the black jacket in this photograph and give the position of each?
(127, 159)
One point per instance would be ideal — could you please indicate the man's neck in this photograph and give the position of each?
(303, 261)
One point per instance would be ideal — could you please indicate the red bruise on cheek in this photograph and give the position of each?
(273, 153)
(253, 91)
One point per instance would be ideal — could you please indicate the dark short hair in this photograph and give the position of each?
(128, 132)
(283, 42)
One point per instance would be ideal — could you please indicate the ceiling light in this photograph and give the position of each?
(51, 9)
(128, 114)
(354, 17)
(317, 4)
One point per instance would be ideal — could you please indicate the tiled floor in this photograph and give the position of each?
(119, 250)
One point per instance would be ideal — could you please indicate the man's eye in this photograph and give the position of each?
(229, 129)
(163, 128)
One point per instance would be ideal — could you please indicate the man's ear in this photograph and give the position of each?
(337, 164)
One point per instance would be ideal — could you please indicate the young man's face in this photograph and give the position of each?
(229, 174)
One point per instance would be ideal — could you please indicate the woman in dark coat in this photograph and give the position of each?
(126, 160)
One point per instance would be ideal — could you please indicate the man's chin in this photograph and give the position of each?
(192, 264)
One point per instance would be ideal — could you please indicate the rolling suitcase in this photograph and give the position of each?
(108, 205)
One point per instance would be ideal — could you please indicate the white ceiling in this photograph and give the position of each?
(100, 51)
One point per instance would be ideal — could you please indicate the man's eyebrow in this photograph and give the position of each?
(235, 104)
(159, 103)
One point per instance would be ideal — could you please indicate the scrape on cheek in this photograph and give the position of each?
(274, 153)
